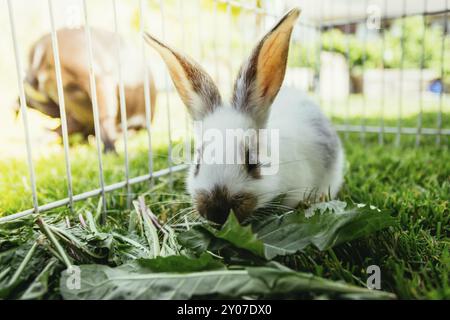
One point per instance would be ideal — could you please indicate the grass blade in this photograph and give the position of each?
(49, 234)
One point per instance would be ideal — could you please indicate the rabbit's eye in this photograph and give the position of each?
(254, 170)
(252, 167)
(197, 168)
(197, 162)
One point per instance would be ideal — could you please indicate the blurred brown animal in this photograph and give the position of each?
(41, 89)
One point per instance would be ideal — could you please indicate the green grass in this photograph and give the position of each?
(412, 183)
(51, 177)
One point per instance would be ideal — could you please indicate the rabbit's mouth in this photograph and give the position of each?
(216, 205)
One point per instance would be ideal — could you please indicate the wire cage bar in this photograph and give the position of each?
(61, 103)
(95, 108)
(23, 106)
(123, 108)
(315, 28)
(148, 109)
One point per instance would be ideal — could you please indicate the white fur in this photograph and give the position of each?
(302, 172)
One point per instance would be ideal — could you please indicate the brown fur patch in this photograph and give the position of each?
(201, 82)
(247, 204)
(215, 205)
(189, 78)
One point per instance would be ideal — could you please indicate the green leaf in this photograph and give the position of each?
(283, 282)
(198, 239)
(180, 263)
(103, 282)
(23, 265)
(140, 281)
(290, 233)
(39, 287)
(240, 236)
(322, 207)
(287, 234)
(202, 238)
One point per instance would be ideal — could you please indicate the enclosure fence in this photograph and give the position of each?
(311, 31)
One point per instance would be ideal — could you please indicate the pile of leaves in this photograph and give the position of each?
(142, 257)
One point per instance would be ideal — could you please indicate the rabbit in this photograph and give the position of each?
(311, 156)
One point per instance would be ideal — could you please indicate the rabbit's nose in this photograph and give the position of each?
(218, 215)
(214, 205)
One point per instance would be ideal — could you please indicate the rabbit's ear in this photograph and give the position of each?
(260, 78)
(194, 85)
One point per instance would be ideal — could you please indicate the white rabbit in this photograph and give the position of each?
(311, 158)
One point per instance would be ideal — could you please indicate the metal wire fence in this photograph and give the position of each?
(312, 67)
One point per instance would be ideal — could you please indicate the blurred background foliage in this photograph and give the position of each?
(420, 49)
